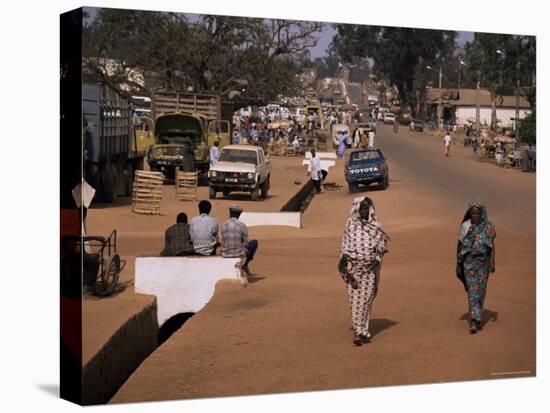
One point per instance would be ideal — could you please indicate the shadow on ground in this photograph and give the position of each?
(377, 325)
(486, 316)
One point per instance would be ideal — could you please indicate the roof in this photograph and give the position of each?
(467, 97)
(242, 146)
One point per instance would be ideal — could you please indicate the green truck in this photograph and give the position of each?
(183, 118)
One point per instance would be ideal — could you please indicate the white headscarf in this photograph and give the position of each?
(364, 240)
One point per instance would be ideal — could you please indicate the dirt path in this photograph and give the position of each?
(290, 329)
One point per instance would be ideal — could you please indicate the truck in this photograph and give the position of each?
(241, 168)
(180, 116)
(112, 150)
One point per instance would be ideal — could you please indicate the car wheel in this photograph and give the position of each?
(226, 192)
(265, 188)
(385, 183)
(212, 193)
(255, 194)
(352, 188)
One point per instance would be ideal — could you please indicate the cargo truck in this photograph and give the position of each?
(180, 116)
(112, 150)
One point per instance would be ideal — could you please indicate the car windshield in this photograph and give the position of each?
(237, 155)
(366, 156)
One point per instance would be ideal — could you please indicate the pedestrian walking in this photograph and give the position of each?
(447, 141)
(411, 126)
(342, 145)
(371, 139)
(315, 170)
(475, 259)
(363, 246)
(395, 126)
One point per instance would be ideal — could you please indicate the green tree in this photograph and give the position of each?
(528, 128)
(492, 60)
(395, 51)
(143, 51)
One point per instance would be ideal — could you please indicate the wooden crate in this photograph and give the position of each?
(186, 185)
(147, 192)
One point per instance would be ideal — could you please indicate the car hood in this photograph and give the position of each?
(221, 166)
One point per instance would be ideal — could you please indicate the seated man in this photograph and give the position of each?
(177, 240)
(204, 231)
(235, 241)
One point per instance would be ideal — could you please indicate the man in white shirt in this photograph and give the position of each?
(214, 152)
(371, 140)
(447, 140)
(315, 170)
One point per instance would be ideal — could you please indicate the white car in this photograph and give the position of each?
(240, 168)
(389, 118)
(382, 112)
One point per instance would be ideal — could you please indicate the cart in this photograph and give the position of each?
(97, 257)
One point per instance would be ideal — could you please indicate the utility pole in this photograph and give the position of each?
(516, 122)
(440, 104)
(477, 101)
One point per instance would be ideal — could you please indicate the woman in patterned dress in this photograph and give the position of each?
(363, 246)
(475, 259)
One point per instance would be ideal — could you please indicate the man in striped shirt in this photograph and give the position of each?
(204, 231)
(235, 241)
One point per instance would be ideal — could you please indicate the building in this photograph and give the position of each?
(460, 106)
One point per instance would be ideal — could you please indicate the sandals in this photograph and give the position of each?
(361, 339)
(474, 326)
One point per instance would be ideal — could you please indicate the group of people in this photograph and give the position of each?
(364, 244)
(203, 236)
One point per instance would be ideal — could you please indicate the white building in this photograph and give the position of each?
(461, 106)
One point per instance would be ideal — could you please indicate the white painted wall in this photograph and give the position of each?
(322, 155)
(182, 284)
(504, 114)
(289, 219)
(325, 164)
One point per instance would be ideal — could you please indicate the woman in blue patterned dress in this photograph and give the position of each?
(475, 259)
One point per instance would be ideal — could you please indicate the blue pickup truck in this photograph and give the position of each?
(366, 166)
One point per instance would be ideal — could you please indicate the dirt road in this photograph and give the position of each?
(290, 329)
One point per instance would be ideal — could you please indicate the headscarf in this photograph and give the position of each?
(480, 236)
(364, 240)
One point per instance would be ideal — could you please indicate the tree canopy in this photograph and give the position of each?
(494, 59)
(395, 51)
(142, 51)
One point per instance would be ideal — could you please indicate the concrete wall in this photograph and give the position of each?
(182, 284)
(504, 114)
(325, 164)
(322, 155)
(111, 366)
(290, 219)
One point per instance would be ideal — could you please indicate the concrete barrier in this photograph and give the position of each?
(322, 155)
(325, 164)
(182, 284)
(289, 219)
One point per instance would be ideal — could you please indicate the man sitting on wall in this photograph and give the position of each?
(235, 241)
(177, 240)
(204, 231)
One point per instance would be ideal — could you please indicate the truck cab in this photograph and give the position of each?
(173, 134)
